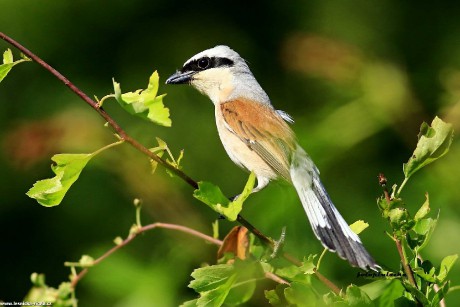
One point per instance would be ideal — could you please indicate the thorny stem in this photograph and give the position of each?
(128, 139)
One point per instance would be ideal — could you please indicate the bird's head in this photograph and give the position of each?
(220, 73)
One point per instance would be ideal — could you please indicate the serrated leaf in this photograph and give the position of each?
(359, 226)
(308, 266)
(210, 277)
(424, 209)
(433, 143)
(446, 266)
(50, 192)
(229, 283)
(145, 103)
(211, 195)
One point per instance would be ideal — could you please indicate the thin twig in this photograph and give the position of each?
(140, 230)
(405, 264)
(276, 278)
(327, 282)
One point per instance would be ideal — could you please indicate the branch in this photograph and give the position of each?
(140, 230)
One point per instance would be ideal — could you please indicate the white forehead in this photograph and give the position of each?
(218, 51)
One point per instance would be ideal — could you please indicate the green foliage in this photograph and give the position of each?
(232, 284)
(145, 103)
(212, 196)
(8, 63)
(414, 232)
(41, 292)
(67, 168)
(160, 150)
(433, 143)
(50, 192)
(359, 226)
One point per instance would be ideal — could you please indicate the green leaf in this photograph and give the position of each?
(293, 273)
(8, 63)
(359, 226)
(300, 294)
(416, 294)
(384, 291)
(7, 56)
(211, 195)
(424, 209)
(230, 283)
(245, 284)
(145, 103)
(272, 297)
(446, 265)
(428, 276)
(400, 220)
(67, 168)
(308, 266)
(357, 297)
(50, 192)
(276, 297)
(424, 228)
(433, 143)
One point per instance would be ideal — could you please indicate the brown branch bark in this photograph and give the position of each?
(143, 229)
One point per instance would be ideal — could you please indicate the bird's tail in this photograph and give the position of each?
(327, 223)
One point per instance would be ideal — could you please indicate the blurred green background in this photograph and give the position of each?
(358, 77)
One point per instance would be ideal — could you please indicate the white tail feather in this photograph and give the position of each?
(327, 223)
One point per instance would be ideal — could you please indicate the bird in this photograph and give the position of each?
(258, 138)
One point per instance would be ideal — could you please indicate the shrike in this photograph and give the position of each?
(257, 137)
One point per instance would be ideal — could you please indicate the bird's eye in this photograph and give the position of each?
(203, 63)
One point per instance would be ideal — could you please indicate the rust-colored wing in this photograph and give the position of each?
(263, 130)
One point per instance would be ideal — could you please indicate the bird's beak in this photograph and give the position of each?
(180, 77)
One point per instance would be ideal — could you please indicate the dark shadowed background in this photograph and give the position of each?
(358, 77)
